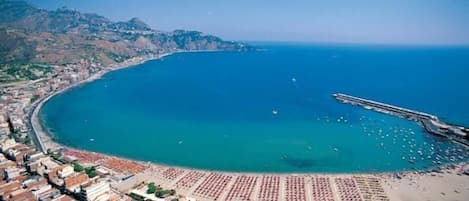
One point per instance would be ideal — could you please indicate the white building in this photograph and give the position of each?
(100, 191)
(41, 190)
(35, 156)
(13, 172)
(7, 144)
(65, 172)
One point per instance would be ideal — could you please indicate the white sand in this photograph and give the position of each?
(429, 187)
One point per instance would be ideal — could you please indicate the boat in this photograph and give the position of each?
(274, 112)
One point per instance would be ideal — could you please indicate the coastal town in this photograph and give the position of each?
(30, 172)
(47, 52)
(34, 167)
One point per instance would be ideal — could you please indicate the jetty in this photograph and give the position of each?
(430, 123)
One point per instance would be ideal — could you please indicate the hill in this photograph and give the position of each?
(30, 35)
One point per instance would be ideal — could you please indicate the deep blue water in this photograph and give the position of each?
(214, 110)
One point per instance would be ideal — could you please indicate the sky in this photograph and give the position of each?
(427, 22)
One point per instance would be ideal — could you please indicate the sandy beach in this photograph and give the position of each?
(451, 184)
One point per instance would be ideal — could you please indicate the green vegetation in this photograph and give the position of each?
(158, 191)
(151, 188)
(68, 37)
(91, 172)
(89, 46)
(116, 57)
(18, 71)
(27, 139)
(161, 193)
(136, 197)
(34, 98)
(55, 155)
(77, 167)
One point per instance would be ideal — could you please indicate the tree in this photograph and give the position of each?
(159, 194)
(151, 188)
(91, 172)
(77, 167)
(27, 140)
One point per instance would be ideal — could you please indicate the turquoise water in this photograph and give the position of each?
(214, 110)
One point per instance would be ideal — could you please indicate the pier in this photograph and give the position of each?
(430, 123)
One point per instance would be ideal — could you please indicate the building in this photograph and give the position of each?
(7, 144)
(52, 176)
(63, 198)
(65, 171)
(13, 172)
(21, 194)
(42, 165)
(100, 191)
(34, 156)
(18, 152)
(73, 183)
(7, 188)
(50, 194)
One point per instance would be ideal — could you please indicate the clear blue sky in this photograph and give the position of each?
(339, 21)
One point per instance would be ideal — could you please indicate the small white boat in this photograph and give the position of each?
(92, 139)
(274, 112)
(293, 80)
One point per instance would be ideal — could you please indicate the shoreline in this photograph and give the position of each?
(396, 183)
(40, 135)
(46, 141)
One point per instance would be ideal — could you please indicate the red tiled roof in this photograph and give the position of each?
(26, 196)
(6, 189)
(76, 180)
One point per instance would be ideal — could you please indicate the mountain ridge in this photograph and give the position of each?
(66, 36)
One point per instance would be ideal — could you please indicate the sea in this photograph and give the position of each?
(271, 110)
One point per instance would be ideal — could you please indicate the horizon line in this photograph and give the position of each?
(463, 45)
